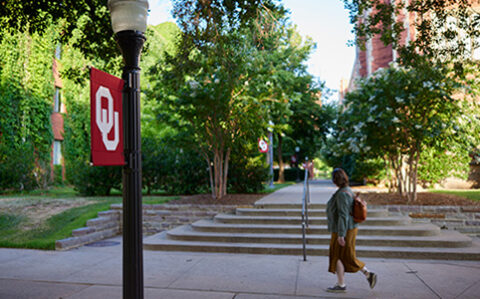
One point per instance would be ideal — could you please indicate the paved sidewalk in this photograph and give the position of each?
(96, 272)
(320, 192)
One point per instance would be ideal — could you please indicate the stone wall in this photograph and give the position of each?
(106, 225)
(161, 217)
(465, 219)
(156, 218)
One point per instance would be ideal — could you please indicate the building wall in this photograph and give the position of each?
(377, 55)
(58, 108)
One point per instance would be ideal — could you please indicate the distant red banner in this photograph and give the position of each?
(106, 119)
(262, 145)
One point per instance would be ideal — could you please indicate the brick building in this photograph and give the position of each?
(377, 55)
(57, 119)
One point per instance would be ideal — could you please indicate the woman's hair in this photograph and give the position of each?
(340, 177)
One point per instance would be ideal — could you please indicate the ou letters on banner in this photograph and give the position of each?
(106, 119)
(262, 145)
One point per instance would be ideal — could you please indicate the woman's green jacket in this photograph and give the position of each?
(339, 209)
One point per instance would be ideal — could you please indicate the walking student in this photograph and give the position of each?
(342, 257)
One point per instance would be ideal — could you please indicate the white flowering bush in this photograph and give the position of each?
(408, 118)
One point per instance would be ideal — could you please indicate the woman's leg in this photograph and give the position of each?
(340, 273)
(371, 277)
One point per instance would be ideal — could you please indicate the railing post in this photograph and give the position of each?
(305, 201)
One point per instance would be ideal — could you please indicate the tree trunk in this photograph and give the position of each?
(220, 169)
(415, 176)
(225, 171)
(390, 174)
(281, 166)
(218, 174)
(210, 174)
(410, 178)
(397, 168)
(413, 169)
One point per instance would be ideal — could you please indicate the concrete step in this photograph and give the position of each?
(298, 212)
(445, 239)
(378, 221)
(421, 229)
(318, 206)
(161, 242)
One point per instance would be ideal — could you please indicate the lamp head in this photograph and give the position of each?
(128, 15)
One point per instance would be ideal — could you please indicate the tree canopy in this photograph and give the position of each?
(85, 24)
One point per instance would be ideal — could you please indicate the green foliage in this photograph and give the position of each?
(85, 24)
(291, 174)
(57, 174)
(211, 84)
(188, 173)
(276, 186)
(26, 92)
(155, 166)
(239, 67)
(310, 124)
(441, 32)
(16, 230)
(87, 179)
(9, 221)
(169, 166)
(470, 194)
(57, 227)
(248, 171)
(402, 112)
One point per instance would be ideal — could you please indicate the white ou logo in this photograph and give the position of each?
(263, 145)
(104, 118)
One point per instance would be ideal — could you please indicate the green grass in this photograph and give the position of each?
(56, 192)
(153, 200)
(470, 194)
(15, 231)
(57, 227)
(276, 186)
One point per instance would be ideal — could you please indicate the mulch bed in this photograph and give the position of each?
(423, 199)
(229, 199)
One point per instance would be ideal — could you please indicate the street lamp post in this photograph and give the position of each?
(297, 151)
(270, 152)
(129, 22)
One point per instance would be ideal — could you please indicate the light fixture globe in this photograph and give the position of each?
(128, 15)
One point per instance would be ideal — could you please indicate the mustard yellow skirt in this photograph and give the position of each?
(345, 254)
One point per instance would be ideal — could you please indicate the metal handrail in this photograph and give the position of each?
(305, 202)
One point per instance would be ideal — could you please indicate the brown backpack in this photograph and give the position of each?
(359, 209)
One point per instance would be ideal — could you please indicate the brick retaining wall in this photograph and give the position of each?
(465, 219)
(156, 218)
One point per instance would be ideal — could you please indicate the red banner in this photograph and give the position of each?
(262, 145)
(106, 118)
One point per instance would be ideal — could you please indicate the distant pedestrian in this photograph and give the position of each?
(342, 254)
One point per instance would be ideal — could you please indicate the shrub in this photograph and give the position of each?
(291, 174)
(188, 173)
(247, 174)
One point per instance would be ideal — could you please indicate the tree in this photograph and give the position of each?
(446, 36)
(310, 121)
(210, 82)
(288, 83)
(85, 24)
(402, 112)
(99, 180)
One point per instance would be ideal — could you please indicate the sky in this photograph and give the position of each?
(325, 21)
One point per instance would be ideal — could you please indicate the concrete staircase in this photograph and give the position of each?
(273, 228)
